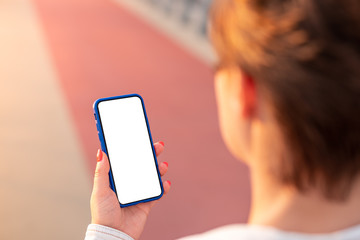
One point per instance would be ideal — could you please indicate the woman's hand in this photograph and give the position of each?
(105, 207)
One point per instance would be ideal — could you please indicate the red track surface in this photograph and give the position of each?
(102, 50)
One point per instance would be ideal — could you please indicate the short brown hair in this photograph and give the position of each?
(306, 55)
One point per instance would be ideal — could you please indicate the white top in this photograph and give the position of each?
(233, 232)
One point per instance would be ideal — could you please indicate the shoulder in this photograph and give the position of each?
(257, 232)
(229, 232)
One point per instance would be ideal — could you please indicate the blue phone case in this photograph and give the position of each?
(104, 148)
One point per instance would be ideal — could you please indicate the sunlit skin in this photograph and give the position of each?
(105, 207)
(253, 136)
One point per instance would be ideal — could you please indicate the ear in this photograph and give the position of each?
(248, 95)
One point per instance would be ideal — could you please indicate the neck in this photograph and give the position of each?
(282, 207)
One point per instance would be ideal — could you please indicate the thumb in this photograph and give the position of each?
(101, 178)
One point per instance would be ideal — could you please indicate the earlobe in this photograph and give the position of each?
(248, 95)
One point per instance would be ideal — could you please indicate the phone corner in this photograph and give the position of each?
(96, 103)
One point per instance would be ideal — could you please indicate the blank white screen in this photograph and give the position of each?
(129, 149)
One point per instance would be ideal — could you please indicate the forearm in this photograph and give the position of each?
(99, 232)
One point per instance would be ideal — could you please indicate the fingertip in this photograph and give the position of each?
(101, 179)
(163, 168)
(99, 155)
(102, 161)
(158, 148)
(167, 186)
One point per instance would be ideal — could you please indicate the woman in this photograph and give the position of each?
(288, 94)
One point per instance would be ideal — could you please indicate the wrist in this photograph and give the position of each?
(115, 226)
(106, 233)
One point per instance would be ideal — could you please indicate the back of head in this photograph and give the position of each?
(305, 57)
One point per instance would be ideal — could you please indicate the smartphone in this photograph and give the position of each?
(125, 137)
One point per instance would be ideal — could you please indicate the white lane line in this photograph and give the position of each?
(44, 185)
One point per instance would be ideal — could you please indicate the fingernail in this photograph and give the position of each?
(166, 164)
(99, 155)
(162, 143)
(169, 182)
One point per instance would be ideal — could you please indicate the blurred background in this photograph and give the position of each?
(56, 58)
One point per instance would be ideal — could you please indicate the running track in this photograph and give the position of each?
(100, 50)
